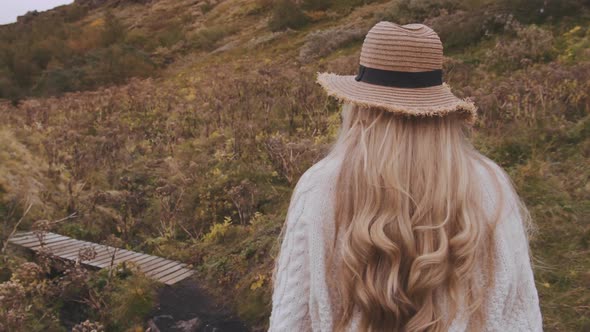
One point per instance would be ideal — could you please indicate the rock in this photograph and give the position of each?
(152, 327)
(162, 322)
(91, 3)
(28, 17)
(192, 325)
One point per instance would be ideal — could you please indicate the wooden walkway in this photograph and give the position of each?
(158, 268)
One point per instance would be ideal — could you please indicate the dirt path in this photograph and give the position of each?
(186, 307)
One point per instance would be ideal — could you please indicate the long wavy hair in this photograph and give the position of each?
(415, 236)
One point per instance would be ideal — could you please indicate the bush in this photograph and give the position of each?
(532, 44)
(113, 30)
(206, 7)
(412, 11)
(207, 38)
(217, 232)
(537, 11)
(350, 4)
(323, 42)
(317, 4)
(131, 301)
(286, 14)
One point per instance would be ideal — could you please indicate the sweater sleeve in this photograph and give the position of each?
(522, 311)
(291, 287)
(514, 304)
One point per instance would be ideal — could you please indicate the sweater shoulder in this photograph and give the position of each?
(321, 176)
(496, 185)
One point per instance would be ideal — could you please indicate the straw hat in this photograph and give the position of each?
(400, 71)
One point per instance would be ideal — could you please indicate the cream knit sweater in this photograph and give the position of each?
(301, 299)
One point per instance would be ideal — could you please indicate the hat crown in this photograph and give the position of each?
(409, 48)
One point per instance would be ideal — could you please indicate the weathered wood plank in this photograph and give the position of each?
(148, 265)
(101, 253)
(74, 253)
(157, 268)
(30, 240)
(113, 258)
(73, 247)
(35, 246)
(144, 260)
(171, 276)
(166, 272)
(161, 268)
(50, 244)
(156, 265)
(26, 238)
(21, 234)
(119, 258)
(179, 278)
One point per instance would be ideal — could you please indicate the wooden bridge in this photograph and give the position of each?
(158, 268)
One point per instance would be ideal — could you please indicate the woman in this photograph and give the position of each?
(403, 226)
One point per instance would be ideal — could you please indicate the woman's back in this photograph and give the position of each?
(304, 298)
(404, 226)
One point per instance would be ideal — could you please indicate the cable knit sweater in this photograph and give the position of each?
(301, 299)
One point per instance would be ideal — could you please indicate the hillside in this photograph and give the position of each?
(179, 129)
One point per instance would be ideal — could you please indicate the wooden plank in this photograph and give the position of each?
(120, 256)
(161, 268)
(65, 248)
(73, 254)
(51, 244)
(144, 260)
(36, 246)
(74, 246)
(26, 238)
(179, 278)
(174, 275)
(21, 234)
(106, 255)
(44, 243)
(56, 246)
(166, 272)
(154, 264)
(23, 241)
(101, 253)
(26, 241)
(111, 252)
(129, 258)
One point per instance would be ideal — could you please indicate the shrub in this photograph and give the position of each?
(88, 326)
(217, 232)
(323, 42)
(113, 30)
(576, 45)
(350, 4)
(317, 4)
(286, 14)
(206, 7)
(207, 38)
(532, 44)
(129, 302)
(537, 11)
(411, 11)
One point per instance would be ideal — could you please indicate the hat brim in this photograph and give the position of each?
(429, 101)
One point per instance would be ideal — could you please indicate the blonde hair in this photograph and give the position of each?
(415, 233)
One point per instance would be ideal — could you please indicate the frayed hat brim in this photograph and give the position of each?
(429, 101)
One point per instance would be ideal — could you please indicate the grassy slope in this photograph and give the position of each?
(534, 122)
